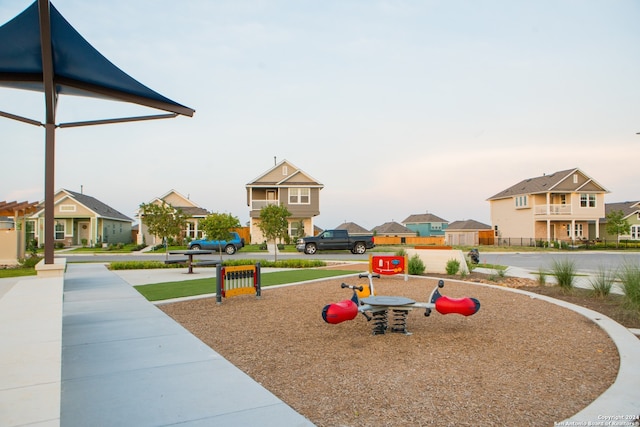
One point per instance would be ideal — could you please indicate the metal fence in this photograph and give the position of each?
(563, 244)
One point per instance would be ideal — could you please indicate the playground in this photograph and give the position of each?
(518, 361)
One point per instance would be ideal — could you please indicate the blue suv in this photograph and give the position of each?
(230, 247)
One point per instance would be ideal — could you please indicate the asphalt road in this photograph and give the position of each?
(588, 262)
(346, 256)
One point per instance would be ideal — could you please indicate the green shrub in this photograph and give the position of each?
(564, 270)
(470, 265)
(400, 252)
(542, 277)
(602, 282)
(263, 246)
(416, 265)
(453, 266)
(629, 275)
(29, 262)
(140, 265)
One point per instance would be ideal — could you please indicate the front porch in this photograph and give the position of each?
(570, 231)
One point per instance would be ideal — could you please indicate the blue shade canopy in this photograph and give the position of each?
(77, 67)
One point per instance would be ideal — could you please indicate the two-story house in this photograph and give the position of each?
(558, 206)
(187, 206)
(284, 185)
(426, 224)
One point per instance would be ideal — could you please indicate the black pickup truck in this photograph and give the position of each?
(335, 240)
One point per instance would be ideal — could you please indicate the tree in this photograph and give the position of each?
(274, 224)
(163, 220)
(617, 225)
(217, 226)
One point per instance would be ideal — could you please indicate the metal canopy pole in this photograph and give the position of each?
(50, 128)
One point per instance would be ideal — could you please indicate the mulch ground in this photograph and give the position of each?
(518, 361)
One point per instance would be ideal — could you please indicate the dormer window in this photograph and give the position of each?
(285, 170)
(575, 178)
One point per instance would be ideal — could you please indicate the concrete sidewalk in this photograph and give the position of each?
(124, 362)
(105, 356)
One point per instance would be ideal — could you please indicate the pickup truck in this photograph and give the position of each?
(230, 247)
(335, 240)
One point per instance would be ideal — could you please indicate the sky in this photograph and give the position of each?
(396, 107)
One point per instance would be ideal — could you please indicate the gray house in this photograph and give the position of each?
(393, 229)
(353, 228)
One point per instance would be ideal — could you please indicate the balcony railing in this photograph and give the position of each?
(553, 210)
(256, 205)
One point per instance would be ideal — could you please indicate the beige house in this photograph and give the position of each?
(188, 207)
(284, 185)
(13, 227)
(558, 206)
(81, 220)
(465, 233)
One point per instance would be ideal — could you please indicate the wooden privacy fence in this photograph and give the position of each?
(409, 240)
(237, 280)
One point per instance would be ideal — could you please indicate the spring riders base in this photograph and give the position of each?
(377, 308)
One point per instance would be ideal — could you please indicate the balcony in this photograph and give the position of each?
(553, 210)
(256, 205)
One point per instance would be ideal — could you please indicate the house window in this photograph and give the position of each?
(285, 170)
(59, 230)
(577, 231)
(635, 232)
(563, 199)
(436, 226)
(67, 208)
(30, 230)
(299, 196)
(587, 200)
(191, 231)
(521, 201)
(575, 178)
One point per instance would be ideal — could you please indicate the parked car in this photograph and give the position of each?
(230, 247)
(335, 240)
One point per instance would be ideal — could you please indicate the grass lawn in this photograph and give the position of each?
(168, 290)
(17, 272)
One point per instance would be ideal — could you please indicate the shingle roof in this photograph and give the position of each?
(352, 228)
(627, 208)
(98, 207)
(193, 210)
(468, 224)
(540, 184)
(423, 219)
(392, 228)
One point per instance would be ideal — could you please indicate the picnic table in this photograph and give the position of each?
(189, 260)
